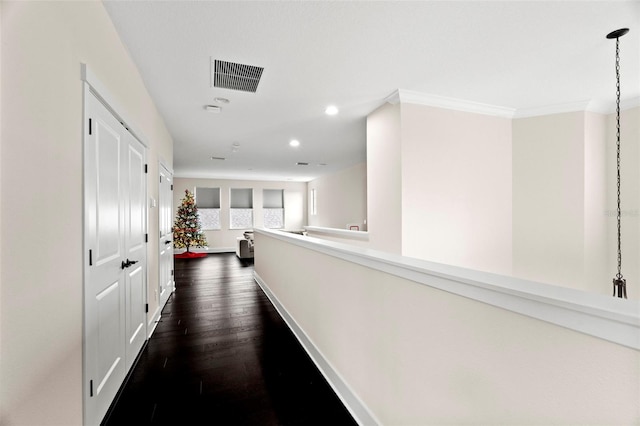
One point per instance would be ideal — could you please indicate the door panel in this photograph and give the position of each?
(108, 209)
(110, 359)
(104, 286)
(136, 316)
(136, 250)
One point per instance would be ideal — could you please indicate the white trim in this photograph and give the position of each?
(418, 98)
(151, 325)
(101, 92)
(354, 405)
(612, 319)
(555, 109)
(411, 97)
(579, 106)
(343, 233)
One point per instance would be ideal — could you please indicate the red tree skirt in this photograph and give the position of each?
(189, 255)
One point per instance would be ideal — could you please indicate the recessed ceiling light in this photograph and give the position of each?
(294, 143)
(222, 100)
(331, 110)
(213, 108)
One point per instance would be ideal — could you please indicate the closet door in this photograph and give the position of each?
(115, 256)
(104, 287)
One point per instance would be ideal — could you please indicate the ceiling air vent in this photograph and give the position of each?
(301, 163)
(229, 75)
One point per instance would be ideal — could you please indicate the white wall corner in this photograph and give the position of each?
(393, 98)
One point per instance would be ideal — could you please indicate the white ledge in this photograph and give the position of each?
(343, 233)
(612, 319)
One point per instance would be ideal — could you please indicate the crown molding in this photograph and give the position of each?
(410, 97)
(586, 105)
(553, 109)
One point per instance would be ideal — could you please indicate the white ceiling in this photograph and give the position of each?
(511, 54)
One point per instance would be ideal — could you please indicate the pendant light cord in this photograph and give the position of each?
(619, 283)
(619, 211)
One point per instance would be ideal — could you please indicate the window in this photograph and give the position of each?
(241, 208)
(273, 208)
(208, 203)
(313, 206)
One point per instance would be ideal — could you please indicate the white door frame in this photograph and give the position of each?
(161, 243)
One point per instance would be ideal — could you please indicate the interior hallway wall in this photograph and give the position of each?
(548, 198)
(596, 264)
(1, 399)
(384, 179)
(456, 188)
(41, 324)
(341, 198)
(564, 223)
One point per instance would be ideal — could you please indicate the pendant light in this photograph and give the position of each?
(619, 283)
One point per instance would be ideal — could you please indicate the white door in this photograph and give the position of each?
(165, 204)
(135, 249)
(115, 287)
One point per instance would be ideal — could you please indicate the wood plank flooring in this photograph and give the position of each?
(222, 355)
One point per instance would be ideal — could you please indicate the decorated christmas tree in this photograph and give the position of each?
(187, 230)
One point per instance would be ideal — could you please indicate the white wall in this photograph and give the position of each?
(43, 45)
(456, 188)
(564, 203)
(548, 198)
(295, 206)
(1, 398)
(341, 198)
(384, 179)
(596, 265)
(416, 355)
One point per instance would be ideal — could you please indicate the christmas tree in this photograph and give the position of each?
(187, 230)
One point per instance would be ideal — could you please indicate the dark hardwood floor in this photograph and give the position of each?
(222, 355)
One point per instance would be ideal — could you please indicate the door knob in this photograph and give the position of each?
(128, 263)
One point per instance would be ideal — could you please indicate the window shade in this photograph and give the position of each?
(273, 198)
(241, 198)
(208, 198)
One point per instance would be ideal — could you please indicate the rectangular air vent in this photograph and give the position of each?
(300, 163)
(229, 75)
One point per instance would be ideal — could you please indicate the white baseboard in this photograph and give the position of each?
(354, 405)
(154, 323)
